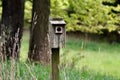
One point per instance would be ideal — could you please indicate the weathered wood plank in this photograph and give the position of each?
(55, 64)
(57, 40)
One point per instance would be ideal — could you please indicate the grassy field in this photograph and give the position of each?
(96, 57)
(80, 60)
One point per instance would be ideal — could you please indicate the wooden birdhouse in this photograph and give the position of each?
(57, 32)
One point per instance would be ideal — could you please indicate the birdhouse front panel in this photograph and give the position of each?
(57, 34)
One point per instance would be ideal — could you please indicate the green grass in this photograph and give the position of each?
(98, 57)
(12, 70)
(80, 60)
(24, 46)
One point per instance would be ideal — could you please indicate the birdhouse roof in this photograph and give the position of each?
(57, 21)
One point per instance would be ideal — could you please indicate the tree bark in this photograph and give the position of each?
(39, 45)
(13, 21)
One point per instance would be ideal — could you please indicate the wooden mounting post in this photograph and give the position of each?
(57, 35)
(55, 64)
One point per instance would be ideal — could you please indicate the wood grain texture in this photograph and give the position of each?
(55, 64)
(57, 40)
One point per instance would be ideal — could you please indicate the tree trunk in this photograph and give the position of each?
(39, 45)
(13, 21)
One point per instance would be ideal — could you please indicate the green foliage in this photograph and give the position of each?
(82, 15)
(86, 15)
(58, 8)
(28, 11)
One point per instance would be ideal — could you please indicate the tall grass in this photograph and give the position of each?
(11, 70)
(98, 57)
(80, 60)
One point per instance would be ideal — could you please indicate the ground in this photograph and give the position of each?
(92, 60)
